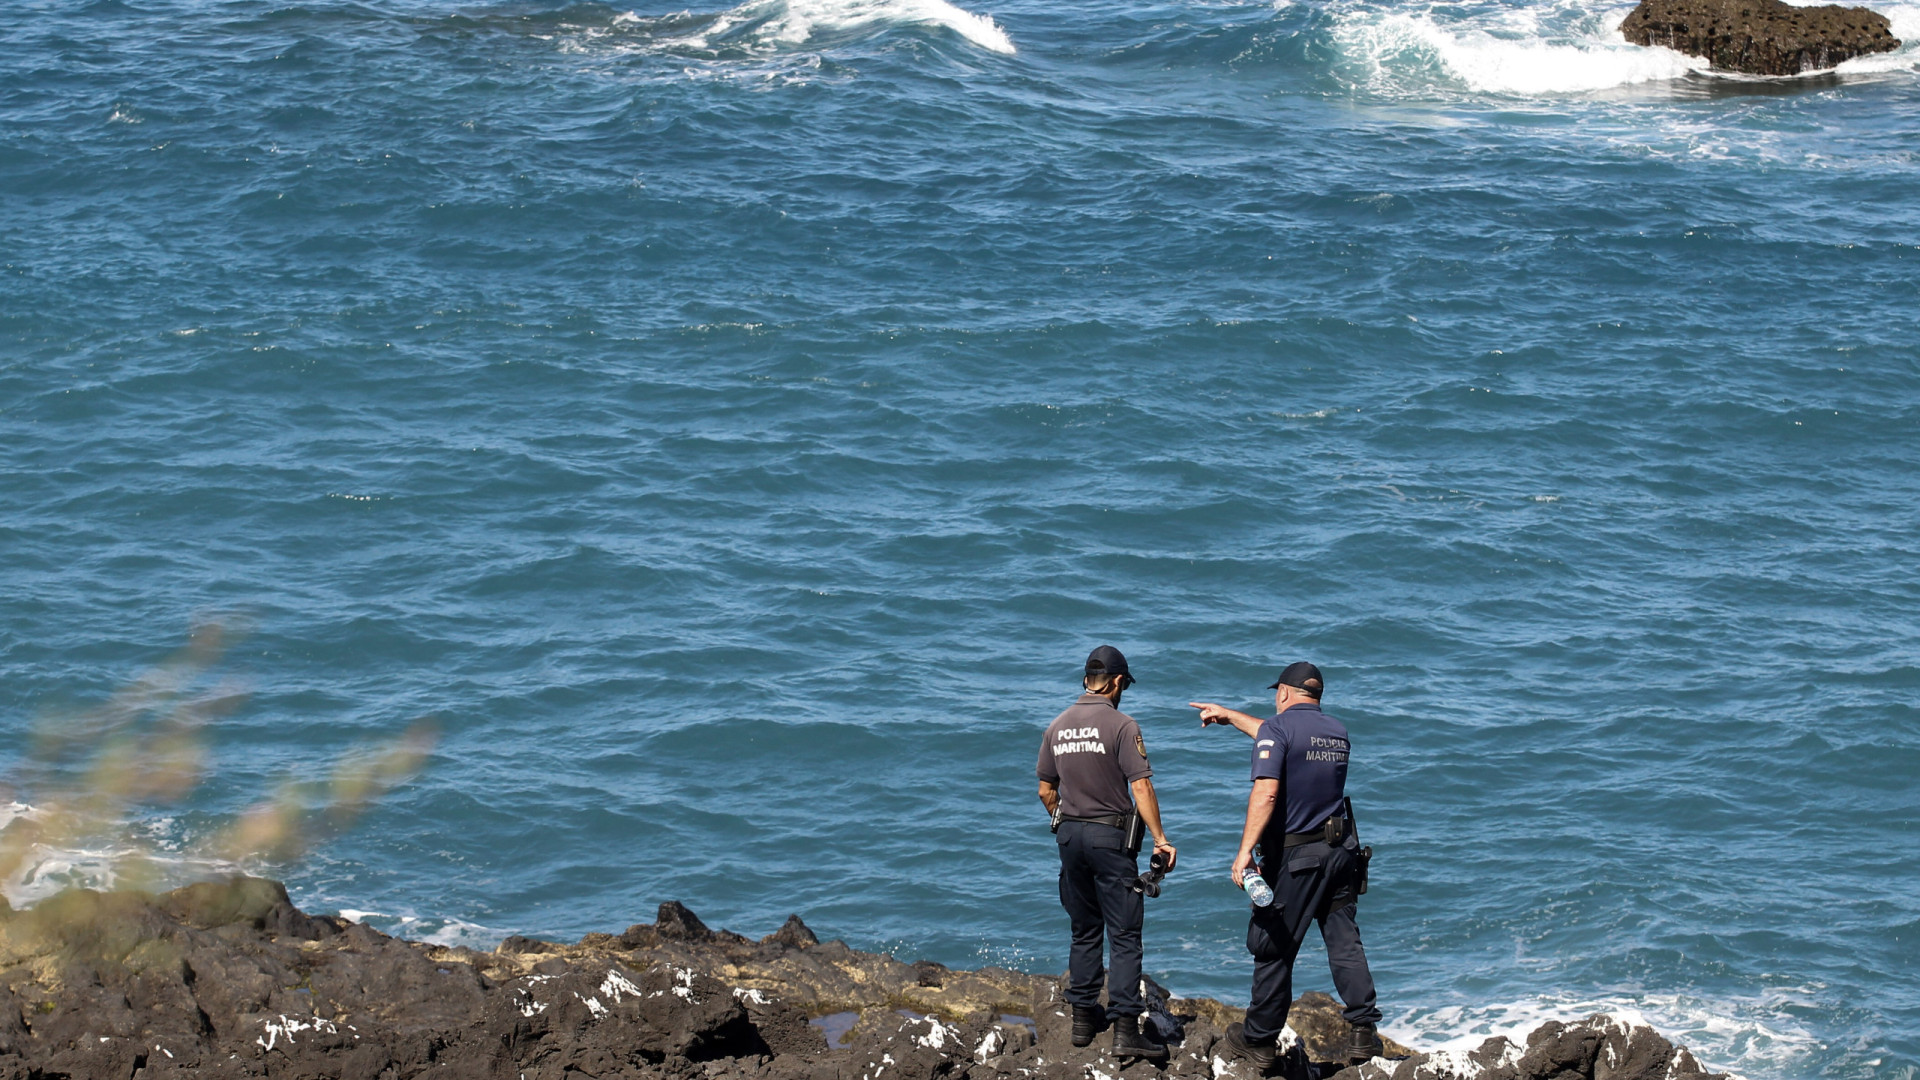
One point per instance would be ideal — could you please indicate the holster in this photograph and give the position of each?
(1136, 828)
(1366, 853)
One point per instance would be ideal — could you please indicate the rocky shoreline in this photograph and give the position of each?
(230, 979)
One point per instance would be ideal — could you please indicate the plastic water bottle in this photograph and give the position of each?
(1257, 889)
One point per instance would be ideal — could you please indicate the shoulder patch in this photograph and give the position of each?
(1140, 744)
(1264, 742)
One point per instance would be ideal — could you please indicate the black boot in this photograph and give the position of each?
(1262, 1055)
(1130, 1041)
(1086, 1023)
(1364, 1044)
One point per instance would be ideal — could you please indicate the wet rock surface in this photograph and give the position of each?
(231, 980)
(1761, 37)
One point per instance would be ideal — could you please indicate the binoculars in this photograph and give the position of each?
(1149, 882)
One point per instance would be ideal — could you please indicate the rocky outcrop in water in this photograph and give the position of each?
(1761, 37)
(231, 980)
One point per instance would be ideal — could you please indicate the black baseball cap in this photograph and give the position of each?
(1299, 675)
(1106, 660)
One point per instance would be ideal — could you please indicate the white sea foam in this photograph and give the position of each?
(761, 26)
(47, 869)
(1536, 50)
(1906, 26)
(797, 21)
(447, 932)
(433, 929)
(1522, 51)
(1749, 1034)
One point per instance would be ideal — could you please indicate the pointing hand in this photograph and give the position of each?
(1210, 713)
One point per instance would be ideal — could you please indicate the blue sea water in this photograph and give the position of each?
(733, 426)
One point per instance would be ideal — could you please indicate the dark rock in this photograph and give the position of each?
(1629, 1052)
(250, 901)
(601, 1018)
(783, 1028)
(639, 936)
(917, 1048)
(694, 1015)
(793, 934)
(1684, 1065)
(1316, 1018)
(1761, 37)
(1556, 1051)
(676, 923)
(229, 980)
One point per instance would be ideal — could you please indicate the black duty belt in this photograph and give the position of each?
(1118, 821)
(1331, 831)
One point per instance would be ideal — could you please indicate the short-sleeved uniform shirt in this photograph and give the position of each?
(1306, 750)
(1093, 751)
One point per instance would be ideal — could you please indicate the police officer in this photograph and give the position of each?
(1309, 855)
(1090, 760)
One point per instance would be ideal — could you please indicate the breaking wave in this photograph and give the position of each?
(761, 27)
(1757, 1035)
(1557, 48)
(1524, 51)
(1906, 26)
(142, 860)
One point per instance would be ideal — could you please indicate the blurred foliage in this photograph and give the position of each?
(88, 772)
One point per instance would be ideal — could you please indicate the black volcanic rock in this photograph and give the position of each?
(1598, 1048)
(793, 934)
(676, 923)
(230, 980)
(1761, 37)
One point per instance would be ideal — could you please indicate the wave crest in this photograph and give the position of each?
(1387, 51)
(1757, 1034)
(1526, 51)
(761, 25)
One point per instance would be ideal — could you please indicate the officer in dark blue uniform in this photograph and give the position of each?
(1309, 855)
(1094, 777)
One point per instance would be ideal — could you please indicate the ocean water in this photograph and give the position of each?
(730, 427)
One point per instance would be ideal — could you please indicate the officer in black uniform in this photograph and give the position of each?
(1091, 759)
(1309, 854)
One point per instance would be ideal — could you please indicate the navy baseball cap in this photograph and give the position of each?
(1301, 676)
(1106, 660)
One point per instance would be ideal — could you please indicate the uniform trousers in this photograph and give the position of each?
(1096, 888)
(1311, 883)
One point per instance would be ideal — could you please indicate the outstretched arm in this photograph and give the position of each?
(1219, 714)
